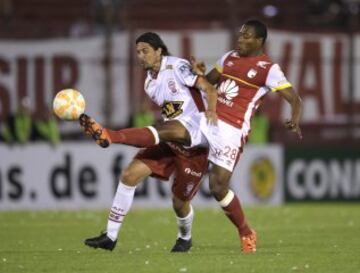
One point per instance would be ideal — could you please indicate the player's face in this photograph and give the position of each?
(148, 57)
(248, 44)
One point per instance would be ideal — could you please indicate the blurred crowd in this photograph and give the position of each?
(22, 127)
(24, 19)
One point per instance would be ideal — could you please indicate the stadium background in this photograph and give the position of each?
(48, 45)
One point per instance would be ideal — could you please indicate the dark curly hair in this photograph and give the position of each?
(259, 27)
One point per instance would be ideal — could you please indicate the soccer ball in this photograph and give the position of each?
(69, 104)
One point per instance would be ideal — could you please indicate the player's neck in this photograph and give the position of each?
(156, 68)
(154, 71)
(253, 54)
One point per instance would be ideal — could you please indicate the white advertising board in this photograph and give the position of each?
(80, 175)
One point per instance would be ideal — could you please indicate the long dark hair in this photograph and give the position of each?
(154, 41)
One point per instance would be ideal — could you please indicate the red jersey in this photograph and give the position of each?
(243, 83)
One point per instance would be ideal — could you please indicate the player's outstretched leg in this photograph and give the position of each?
(137, 137)
(101, 241)
(94, 129)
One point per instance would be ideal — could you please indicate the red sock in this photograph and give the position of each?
(236, 215)
(138, 137)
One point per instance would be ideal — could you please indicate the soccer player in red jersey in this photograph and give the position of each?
(243, 77)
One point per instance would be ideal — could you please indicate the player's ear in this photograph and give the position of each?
(159, 51)
(259, 41)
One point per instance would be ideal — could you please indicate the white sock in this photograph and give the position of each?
(185, 225)
(121, 204)
(227, 199)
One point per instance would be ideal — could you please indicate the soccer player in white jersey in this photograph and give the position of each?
(243, 77)
(171, 85)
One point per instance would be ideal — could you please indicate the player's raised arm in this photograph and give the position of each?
(295, 102)
(211, 94)
(199, 68)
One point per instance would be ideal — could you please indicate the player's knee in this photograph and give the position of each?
(173, 131)
(129, 177)
(181, 136)
(219, 182)
(177, 204)
(218, 190)
(180, 207)
(171, 135)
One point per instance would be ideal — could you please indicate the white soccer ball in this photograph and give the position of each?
(69, 104)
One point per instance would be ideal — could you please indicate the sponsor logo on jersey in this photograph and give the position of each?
(217, 153)
(251, 73)
(172, 109)
(185, 70)
(192, 172)
(225, 101)
(172, 86)
(229, 89)
(262, 64)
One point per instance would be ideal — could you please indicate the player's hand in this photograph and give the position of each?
(211, 117)
(293, 127)
(197, 67)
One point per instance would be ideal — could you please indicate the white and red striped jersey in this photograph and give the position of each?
(243, 83)
(173, 89)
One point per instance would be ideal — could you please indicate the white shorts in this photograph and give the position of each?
(225, 141)
(192, 125)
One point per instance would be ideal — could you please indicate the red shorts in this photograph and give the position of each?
(188, 165)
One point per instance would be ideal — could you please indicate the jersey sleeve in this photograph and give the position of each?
(184, 73)
(276, 79)
(219, 65)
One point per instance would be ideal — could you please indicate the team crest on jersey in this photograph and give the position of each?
(171, 109)
(189, 188)
(229, 89)
(251, 73)
(172, 86)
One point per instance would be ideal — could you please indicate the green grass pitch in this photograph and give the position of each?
(292, 238)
